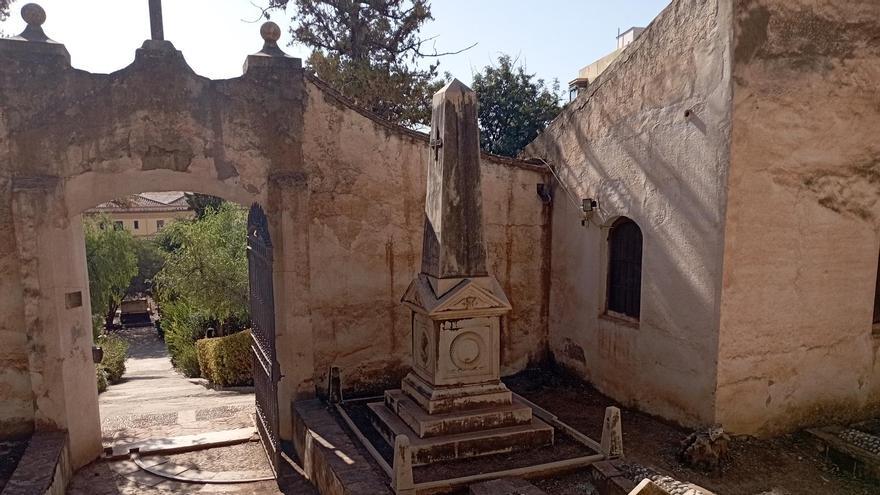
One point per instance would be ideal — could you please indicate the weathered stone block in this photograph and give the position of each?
(432, 425)
(456, 446)
(440, 400)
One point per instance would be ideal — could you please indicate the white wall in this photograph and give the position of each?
(626, 142)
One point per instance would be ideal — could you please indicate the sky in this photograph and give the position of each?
(552, 38)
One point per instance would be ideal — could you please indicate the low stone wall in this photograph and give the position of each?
(329, 457)
(44, 468)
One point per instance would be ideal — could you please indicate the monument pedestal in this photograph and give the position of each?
(470, 443)
(453, 404)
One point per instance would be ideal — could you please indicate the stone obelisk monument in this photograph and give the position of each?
(453, 404)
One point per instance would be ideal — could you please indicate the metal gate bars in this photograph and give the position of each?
(262, 305)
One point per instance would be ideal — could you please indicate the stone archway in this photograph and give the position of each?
(73, 140)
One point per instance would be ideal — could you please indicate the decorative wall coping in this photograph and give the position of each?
(329, 92)
(44, 468)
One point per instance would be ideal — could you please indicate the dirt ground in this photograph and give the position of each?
(788, 465)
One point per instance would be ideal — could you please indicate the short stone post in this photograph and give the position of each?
(334, 386)
(612, 434)
(402, 479)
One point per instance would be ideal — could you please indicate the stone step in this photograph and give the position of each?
(463, 445)
(442, 400)
(432, 425)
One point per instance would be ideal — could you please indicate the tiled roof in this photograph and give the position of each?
(145, 202)
(167, 197)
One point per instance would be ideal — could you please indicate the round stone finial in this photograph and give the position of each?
(270, 32)
(33, 14)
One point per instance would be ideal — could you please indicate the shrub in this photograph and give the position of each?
(101, 376)
(227, 361)
(182, 325)
(115, 352)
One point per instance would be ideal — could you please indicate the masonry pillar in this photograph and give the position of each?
(287, 209)
(57, 320)
(453, 403)
(52, 265)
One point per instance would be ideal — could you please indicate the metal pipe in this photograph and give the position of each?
(190, 479)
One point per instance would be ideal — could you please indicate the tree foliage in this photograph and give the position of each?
(4, 12)
(149, 261)
(112, 263)
(369, 51)
(514, 106)
(201, 203)
(208, 267)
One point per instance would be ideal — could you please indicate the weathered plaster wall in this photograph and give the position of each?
(367, 192)
(627, 142)
(16, 406)
(801, 242)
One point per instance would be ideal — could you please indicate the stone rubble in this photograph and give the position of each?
(866, 441)
(637, 473)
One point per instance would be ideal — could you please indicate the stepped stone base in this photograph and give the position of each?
(533, 434)
(460, 398)
(432, 425)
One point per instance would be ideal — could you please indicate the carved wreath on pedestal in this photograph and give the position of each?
(466, 350)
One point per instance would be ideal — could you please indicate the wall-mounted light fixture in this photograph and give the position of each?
(590, 204)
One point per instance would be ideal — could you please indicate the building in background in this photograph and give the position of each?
(589, 73)
(145, 214)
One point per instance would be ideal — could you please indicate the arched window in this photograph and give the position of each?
(625, 268)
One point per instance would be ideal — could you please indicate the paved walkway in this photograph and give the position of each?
(153, 400)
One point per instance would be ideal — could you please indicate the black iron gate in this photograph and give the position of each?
(262, 303)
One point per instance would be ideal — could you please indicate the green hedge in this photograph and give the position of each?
(182, 325)
(101, 376)
(227, 361)
(112, 365)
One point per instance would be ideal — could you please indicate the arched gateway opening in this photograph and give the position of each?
(261, 305)
(191, 284)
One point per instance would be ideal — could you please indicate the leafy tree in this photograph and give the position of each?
(149, 261)
(4, 12)
(514, 106)
(201, 203)
(112, 262)
(208, 269)
(369, 51)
